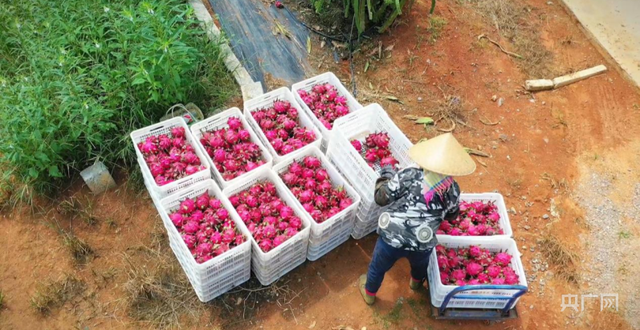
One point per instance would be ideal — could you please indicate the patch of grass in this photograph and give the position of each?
(159, 292)
(73, 207)
(394, 315)
(517, 24)
(80, 251)
(563, 258)
(56, 293)
(624, 234)
(436, 25)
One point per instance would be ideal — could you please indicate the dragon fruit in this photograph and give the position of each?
(269, 219)
(325, 103)
(169, 158)
(281, 127)
(231, 149)
(474, 265)
(204, 224)
(314, 189)
(475, 219)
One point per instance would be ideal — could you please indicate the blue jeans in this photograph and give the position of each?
(384, 256)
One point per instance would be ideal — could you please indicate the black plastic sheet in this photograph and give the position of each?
(250, 25)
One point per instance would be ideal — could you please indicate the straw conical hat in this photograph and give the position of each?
(443, 154)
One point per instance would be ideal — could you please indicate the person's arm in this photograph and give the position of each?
(453, 209)
(389, 187)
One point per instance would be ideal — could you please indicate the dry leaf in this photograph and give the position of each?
(390, 48)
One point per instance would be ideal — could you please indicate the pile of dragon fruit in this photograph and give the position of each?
(310, 184)
(206, 228)
(375, 150)
(475, 219)
(281, 126)
(170, 157)
(473, 266)
(325, 103)
(269, 219)
(231, 149)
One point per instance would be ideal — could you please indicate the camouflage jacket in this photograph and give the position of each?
(403, 192)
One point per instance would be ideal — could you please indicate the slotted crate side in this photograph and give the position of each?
(234, 277)
(287, 253)
(219, 121)
(322, 231)
(208, 271)
(266, 100)
(165, 127)
(268, 275)
(306, 85)
(439, 291)
(318, 250)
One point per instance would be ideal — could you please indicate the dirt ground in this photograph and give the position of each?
(567, 162)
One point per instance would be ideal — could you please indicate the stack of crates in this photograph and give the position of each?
(357, 125)
(334, 231)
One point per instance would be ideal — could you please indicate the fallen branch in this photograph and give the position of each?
(497, 44)
(488, 123)
(448, 130)
(476, 152)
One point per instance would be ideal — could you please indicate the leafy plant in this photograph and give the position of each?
(366, 13)
(77, 76)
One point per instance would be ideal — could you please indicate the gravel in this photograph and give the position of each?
(603, 246)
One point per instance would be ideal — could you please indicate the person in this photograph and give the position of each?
(418, 199)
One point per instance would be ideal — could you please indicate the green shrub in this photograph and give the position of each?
(366, 13)
(77, 76)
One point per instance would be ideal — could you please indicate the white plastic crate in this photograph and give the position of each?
(439, 291)
(165, 127)
(228, 280)
(204, 276)
(365, 226)
(322, 232)
(219, 121)
(502, 210)
(370, 119)
(266, 100)
(327, 77)
(270, 266)
(316, 251)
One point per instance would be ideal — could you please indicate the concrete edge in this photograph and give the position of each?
(598, 45)
(249, 88)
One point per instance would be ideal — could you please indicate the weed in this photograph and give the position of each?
(157, 289)
(517, 25)
(563, 258)
(394, 316)
(56, 293)
(1, 300)
(624, 234)
(449, 111)
(436, 25)
(111, 222)
(80, 251)
(74, 208)
(516, 183)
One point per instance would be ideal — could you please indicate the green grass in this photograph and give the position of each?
(1, 300)
(436, 25)
(624, 234)
(77, 76)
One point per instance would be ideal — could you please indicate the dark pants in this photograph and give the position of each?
(384, 256)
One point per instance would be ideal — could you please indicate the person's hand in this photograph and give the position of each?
(387, 172)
